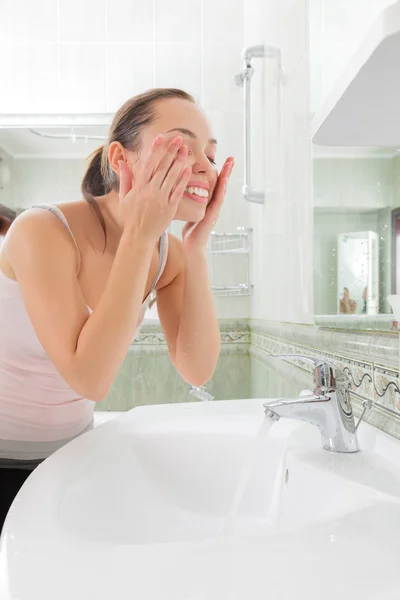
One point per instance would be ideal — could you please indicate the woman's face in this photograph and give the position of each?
(178, 117)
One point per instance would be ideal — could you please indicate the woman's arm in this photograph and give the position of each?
(87, 350)
(188, 318)
(186, 305)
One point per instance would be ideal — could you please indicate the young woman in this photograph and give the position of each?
(75, 278)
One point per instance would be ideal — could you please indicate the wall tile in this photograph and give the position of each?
(234, 211)
(33, 80)
(33, 21)
(178, 21)
(5, 22)
(82, 78)
(129, 21)
(223, 21)
(293, 36)
(82, 21)
(221, 64)
(130, 71)
(43, 181)
(6, 95)
(227, 127)
(178, 65)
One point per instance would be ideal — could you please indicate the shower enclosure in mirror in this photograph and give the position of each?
(356, 198)
(357, 273)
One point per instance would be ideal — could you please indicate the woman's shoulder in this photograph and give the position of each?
(35, 233)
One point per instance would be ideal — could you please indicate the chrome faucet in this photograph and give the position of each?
(328, 408)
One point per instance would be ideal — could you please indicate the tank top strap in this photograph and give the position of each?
(163, 249)
(60, 215)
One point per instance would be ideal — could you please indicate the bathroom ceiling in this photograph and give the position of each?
(25, 143)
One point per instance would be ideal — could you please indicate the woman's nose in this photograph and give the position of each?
(201, 165)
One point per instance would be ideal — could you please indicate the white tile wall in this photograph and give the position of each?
(178, 65)
(43, 181)
(223, 21)
(130, 71)
(5, 22)
(178, 22)
(184, 35)
(82, 21)
(227, 128)
(33, 21)
(82, 78)
(131, 21)
(221, 63)
(33, 78)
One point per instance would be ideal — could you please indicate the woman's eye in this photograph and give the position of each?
(212, 161)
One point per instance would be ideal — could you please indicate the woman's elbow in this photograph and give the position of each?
(94, 392)
(197, 378)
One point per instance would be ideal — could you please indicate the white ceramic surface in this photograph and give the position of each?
(361, 109)
(139, 508)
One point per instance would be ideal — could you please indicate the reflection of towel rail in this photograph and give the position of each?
(242, 289)
(237, 243)
(232, 242)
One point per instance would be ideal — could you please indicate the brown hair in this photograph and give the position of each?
(126, 128)
(7, 216)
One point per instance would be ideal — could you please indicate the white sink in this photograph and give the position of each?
(141, 507)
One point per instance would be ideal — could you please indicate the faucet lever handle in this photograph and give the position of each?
(324, 371)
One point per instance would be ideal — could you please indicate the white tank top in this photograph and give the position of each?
(39, 412)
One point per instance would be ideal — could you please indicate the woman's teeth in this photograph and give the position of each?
(197, 191)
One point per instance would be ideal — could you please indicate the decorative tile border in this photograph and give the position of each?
(370, 380)
(233, 332)
(377, 347)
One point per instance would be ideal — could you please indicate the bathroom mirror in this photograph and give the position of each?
(43, 159)
(356, 195)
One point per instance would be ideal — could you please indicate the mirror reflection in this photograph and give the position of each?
(356, 225)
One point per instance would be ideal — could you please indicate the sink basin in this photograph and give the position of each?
(208, 500)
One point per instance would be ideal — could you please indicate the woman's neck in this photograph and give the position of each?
(110, 209)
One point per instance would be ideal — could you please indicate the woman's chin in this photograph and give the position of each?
(190, 211)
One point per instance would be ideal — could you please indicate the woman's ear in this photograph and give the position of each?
(116, 152)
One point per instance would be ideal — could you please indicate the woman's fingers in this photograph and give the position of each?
(173, 176)
(167, 161)
(181, 186)
(227, 168)
(223, 179)
(160, 159)
(125, 179)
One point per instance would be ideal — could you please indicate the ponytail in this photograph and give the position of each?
(7, 216)
(93, 181)
(93, 184)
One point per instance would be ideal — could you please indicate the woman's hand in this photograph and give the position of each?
(197, 234)
(149, 201)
